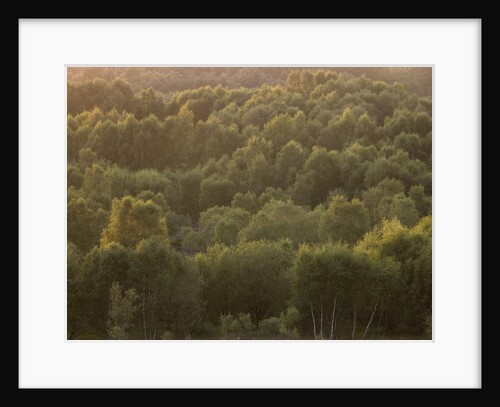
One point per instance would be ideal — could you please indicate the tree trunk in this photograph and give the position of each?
(371, 319)
(385, 324)
(336, 318)
(321, 318)
(152, 321)
(314, 322)
(144, 306)
(333, 319)
(354, 325)
(378, 324)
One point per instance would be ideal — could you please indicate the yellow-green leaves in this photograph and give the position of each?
(132, 220)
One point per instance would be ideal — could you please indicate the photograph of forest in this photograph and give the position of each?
(251, 203)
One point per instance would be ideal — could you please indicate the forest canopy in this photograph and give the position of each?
(249, 203)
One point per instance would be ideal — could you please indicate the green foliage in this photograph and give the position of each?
(239, 327)
(247, 278)
(423, 123)
(284, 128)
(412, 249)
(247, 201)
(216, 190)
(321, 174)
(289, 162)
(227, 229)
(192, 241)
(366, 129)
(283, 327)
(169, 288)
(176, 222)
(404, 209)
(354, 161)
(132, 220)
(344, 221)
(331, 278)
(298, 203)
(96, 184)
(189, 191)
(385, 190)
(150, 103)
(88, 94)
(222, 224)
(423, 203)
(75, 177)
(102, 266)
(122, 309)
(339, 131)
(167, 336)
(279, 220)
(86, 220)
(397, 165)
(409, 142)
(157, 198)
(270, 193)
(79, 290)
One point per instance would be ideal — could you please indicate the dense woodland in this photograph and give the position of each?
(249, 203)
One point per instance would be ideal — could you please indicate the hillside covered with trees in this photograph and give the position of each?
(249, 203)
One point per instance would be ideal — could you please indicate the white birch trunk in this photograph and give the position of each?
(385, 324)
(314, 322)
(371, 319)
(354, 325)
(333, 322)
(321, 318)
(144, 306)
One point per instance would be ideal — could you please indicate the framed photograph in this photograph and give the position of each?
(245, 210)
